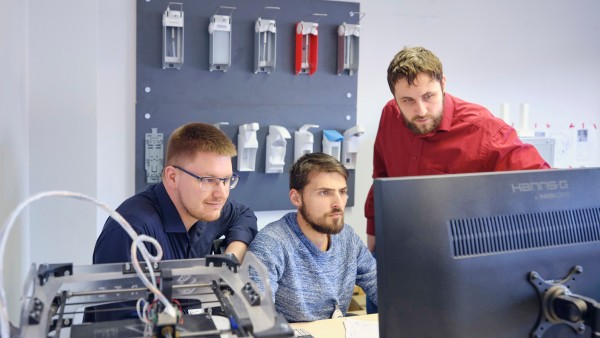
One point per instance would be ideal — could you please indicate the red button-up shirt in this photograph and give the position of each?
(469, 139)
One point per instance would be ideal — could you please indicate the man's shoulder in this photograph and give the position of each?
(390, 107)
(346, 230)
(468, 108)
(233, 209)
(269, 240)
(475, 114)
(348, 235)
(140, 208)
(142, 202)
(277, 228)
(274, 233)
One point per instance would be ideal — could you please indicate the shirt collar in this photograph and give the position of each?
(448, 113)
(170, 217)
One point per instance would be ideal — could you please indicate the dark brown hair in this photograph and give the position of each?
(310, 163)
(411, 61)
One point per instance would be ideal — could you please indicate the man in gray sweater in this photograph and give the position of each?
(314, 259)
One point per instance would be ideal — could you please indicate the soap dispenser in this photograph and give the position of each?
(350, 146)
(247, 147)
(276, 147)
(303, 141)
(332, 143)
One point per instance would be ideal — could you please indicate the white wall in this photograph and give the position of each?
(545, 54)
(115, 103)
(14, 142)
(62, 126)
(510, 51)
(67, 107)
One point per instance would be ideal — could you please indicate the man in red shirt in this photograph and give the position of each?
(426, 131)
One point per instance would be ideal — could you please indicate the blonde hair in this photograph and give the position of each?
(189, 139)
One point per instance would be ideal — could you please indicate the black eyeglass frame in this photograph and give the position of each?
(230, 181)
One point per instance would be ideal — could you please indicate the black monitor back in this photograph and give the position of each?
(455, 252)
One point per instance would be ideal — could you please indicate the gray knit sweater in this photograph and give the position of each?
(309, 284)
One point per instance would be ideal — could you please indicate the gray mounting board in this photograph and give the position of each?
(169, 98)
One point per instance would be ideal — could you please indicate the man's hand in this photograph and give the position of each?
(371, 243)
(238, 248)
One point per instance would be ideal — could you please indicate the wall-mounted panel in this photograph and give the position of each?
(168, 98)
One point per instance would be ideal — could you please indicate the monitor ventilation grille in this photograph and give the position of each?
(490, 235)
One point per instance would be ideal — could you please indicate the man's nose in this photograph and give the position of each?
(221, 189)
(420, 108)
(338, 200)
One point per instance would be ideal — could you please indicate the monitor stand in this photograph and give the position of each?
(560, 306)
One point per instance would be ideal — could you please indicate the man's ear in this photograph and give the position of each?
(443, 83)
(169, 176)
(295, 198)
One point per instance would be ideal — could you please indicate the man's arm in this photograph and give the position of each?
(268, 251)
(379, 170)
(371, 242)
(237, 248)
(113, 245)
(240, 228)
(510, 153)
(370, 215)
(366, 274)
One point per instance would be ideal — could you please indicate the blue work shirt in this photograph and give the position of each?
(153, 213)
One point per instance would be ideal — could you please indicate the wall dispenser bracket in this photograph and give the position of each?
(247, 147)
(307, 46)
(276, 148)
(347, 48)
(153, 156)
(219, 31)
(524, 130)
(265, 44)
(219, 124)
(172, 22)
(303, 141)
(332, 143)
(350, 146)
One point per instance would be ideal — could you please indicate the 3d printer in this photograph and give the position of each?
(207, 297)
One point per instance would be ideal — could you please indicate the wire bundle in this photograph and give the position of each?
(137, 244)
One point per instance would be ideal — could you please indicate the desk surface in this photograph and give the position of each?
(332, 328)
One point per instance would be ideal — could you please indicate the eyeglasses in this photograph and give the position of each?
(211, 183)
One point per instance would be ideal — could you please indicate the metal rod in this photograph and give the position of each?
(101, 292)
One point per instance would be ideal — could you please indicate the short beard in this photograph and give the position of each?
(415, 129)
(436, 121)
(323, 228)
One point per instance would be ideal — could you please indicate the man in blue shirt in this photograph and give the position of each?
(190, 208)
(312, 258)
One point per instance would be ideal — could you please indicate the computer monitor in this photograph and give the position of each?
(494, 255)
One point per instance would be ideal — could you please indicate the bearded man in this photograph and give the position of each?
(423, 130)
(313, 259)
